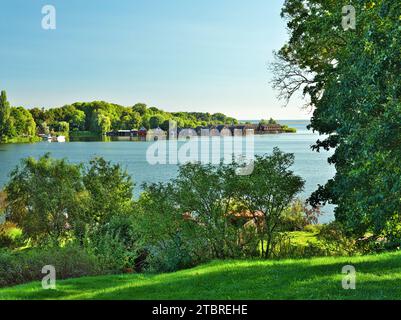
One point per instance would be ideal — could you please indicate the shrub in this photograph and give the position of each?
(313, 228)
(284, 248)
(45, 215)
(116, 244)
(173, 255)
(336, 241)
(10, 235)
(110, 190)
(81, 197)
(26, 266)
(297, 216)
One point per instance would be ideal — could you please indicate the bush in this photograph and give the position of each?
(10, 235)
(332, 240)
(297, 216)
(313, 228)
(171, 256)
(45, 216)
(116, 244)
(336, 241)
(26, 266)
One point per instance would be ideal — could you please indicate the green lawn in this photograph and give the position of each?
(378, 277)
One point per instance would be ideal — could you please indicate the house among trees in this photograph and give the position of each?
(270, 128)
(123, 133)
(142, 132)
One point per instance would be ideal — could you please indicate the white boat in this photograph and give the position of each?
(51, 138)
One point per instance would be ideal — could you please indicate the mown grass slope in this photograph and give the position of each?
(378, 277)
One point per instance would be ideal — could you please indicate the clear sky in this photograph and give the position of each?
(177, 55)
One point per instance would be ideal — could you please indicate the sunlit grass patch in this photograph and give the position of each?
(378, 277)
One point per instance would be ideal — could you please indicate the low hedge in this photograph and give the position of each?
(26, 266)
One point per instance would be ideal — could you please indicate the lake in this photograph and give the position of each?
(310, 165)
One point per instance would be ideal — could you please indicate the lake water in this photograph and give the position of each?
(312, 166)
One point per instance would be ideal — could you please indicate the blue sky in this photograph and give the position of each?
(178, 55)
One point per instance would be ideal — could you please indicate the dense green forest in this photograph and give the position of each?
(97, 117)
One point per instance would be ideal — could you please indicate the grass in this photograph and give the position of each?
(302, 238)
(378, 277)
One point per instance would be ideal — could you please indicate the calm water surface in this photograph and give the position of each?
(312, 166)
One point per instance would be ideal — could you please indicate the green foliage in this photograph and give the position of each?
(269, 190)
(56, 203)
(4, 115)
(101, 117)
(25, 266)
(141, 108)
(14, 122)
(109, 189)
(129, 120)
(102, 123)
(60, 127)
(10, 235)
(297, 216)
(337, 242)
(205, 193)
(210, 212)
(43, 196)
(156, 121)
(169, 235)
(23, 123)
(97, 117)
(268, 122)
(174, 254)
(53, 200)
(287, 129)
(39, 115)
(352, 82)
(116, 244)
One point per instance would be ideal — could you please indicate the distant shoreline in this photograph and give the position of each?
(279, 120)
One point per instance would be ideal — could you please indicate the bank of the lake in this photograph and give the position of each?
(22, 140)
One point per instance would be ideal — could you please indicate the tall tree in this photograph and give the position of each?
(267, 192)
(351, 78)
(4, 115)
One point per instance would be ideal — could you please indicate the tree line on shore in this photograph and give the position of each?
(97, 117)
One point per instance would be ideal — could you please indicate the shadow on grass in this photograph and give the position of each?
(297, 281)
(378, 277)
